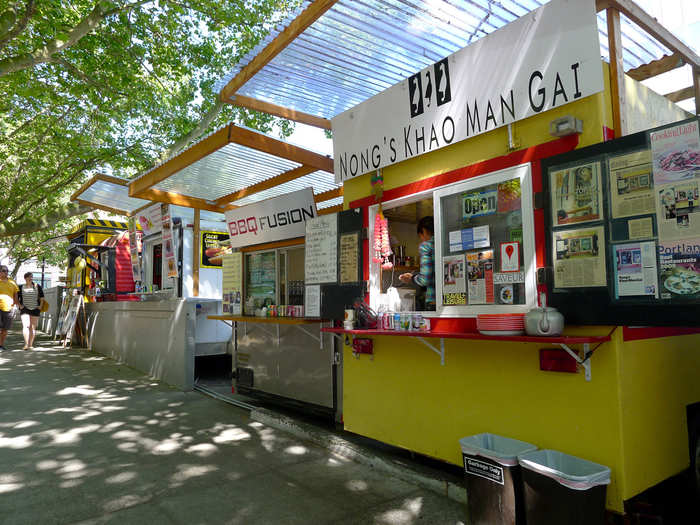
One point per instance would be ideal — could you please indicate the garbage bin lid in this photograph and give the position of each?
(503, 450)
(570, 471)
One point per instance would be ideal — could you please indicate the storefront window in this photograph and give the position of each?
(484, 242)
(260, 280)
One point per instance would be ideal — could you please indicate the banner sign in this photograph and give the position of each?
(274, 219)
(150, 219)
(134, 250)
(543, 60)
(212, 248)
(168, 242)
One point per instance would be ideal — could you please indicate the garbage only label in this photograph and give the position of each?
(485, 470)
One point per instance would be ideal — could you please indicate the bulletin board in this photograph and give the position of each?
(623, 229)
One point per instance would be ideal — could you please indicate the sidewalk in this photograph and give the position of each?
(86, 440)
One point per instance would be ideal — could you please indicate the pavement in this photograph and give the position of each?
(87, 440)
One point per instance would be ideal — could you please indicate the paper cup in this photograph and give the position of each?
(350, 315)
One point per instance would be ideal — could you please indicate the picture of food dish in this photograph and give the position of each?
(680, 160)
(507, 294)
(683, 281)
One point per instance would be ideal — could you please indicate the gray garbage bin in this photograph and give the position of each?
(563, 489)
(494, 488)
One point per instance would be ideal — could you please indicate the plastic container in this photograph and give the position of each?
(493, 479)
(563, 489)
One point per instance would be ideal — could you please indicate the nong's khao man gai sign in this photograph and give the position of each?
(274, 219)
(545, 59)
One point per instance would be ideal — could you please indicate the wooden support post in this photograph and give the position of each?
(617, 73)
(195, 255)
(696, 86)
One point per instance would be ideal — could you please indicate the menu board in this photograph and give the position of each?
(349, 258)
(232, 284)
(312, 301)
(321, 250)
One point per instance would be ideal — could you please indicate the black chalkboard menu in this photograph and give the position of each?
(333, 261)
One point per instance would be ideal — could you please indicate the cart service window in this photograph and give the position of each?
(484, 244)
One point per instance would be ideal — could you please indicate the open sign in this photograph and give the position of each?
(479, 203)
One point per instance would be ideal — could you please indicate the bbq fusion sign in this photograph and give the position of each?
(275, 219)
(545, 59)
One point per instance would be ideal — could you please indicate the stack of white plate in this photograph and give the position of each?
(501, 324)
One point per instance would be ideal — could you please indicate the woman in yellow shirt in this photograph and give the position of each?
(8, 298)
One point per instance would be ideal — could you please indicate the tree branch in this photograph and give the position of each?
(9, 229)
(197, 132)
(82, 76)
(44, 54)
(20, 26)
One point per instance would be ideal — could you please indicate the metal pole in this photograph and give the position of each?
(43, 262)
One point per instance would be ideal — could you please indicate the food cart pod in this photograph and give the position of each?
(231, 168)
(178, 309)
(485, 385)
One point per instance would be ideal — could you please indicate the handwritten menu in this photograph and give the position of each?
(320, 264)
(349, 258)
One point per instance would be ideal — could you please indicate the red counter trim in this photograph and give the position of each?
(474, 335)
(633, 333)
(533, 154)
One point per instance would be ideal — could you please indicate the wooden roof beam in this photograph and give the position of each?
(294, 29)
(331, 209)
(180, 200)
(655, 29)
(681, 94)
(278, 148)
(138, 187)
(656, 67)
(328, 195)
(266, 184)
(279, 111)
(101, 207)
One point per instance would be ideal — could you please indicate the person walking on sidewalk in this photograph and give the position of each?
(8, 298)
(30, 298)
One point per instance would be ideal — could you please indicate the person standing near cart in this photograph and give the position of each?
(8, 298)
(30, 297)
(425, 277)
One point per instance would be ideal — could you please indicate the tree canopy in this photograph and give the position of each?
(111, 86)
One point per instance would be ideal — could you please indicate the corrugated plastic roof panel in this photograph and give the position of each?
(320, 181)
(111, 195)
(234, 167)
(358, 49)
(228, 169)
(329, 203)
